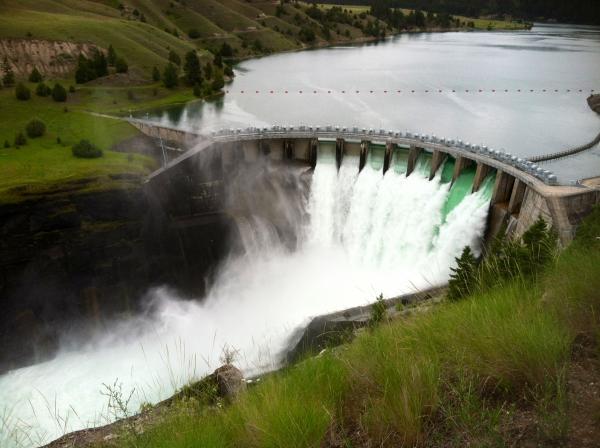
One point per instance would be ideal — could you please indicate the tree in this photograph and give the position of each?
(208, 70)
(9, 77)
(85, 70)
(20, 140)
(218, 81)
(35, 75)
(174, 58)
(99, 64)
(226, 50)
(155, 74)
(42, 90)
(191, 68)
(59, 93)
(112, 56)
(463, 278)
(121, 66)
(218, 60)
(22, 92)
(86, 150)
(194, 33)
(35, 128)
(170, 79)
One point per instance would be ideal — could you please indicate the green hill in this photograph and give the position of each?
(144, 31)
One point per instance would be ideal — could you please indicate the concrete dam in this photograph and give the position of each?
(243, 237)
(521, 191)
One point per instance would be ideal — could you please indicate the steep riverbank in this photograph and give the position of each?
(70, 261)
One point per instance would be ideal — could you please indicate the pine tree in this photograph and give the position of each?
(112, 56)
(174, 58)
(100, 64)
(191, 68)
(35, 75)
(463, 278)
(218, 60)
(9, 77)
(170, 79)
(155, 74)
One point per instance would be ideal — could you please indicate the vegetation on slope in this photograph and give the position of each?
(572, 11)
(491, 369)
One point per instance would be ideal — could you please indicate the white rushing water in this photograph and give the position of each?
(366, 234)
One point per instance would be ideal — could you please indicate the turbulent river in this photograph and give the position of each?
(364, 234)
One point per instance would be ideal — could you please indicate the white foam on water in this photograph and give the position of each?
(366, 234)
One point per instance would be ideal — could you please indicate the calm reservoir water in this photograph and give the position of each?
(525, 123)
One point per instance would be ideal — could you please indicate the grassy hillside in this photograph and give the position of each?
(516, 364)
(143, 31)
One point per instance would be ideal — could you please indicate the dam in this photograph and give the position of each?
(322, 219)
(522, 190)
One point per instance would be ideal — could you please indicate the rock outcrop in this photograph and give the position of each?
(51, 58)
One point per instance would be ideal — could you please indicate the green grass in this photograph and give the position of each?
(454, 376)
(43, 164)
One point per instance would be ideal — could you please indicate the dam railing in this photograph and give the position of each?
(566, 153)
(480, 153)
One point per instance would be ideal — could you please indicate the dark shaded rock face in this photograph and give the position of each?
(73, 261)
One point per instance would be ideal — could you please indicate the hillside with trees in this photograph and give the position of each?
(566, 11)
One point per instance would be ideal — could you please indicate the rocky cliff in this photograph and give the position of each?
(79, 259)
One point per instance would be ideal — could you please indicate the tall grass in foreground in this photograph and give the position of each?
(447, 377)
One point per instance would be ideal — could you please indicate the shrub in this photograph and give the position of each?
(9, 77)
(72, 89)
(58, 141)
(35, 128)
(35, 75)
(121, 66)
(6, 144)
(194, 33)
(20, 140)
(197, 90)
(378, 311)
(86, 150)
(22, 92)
(59, 93)
(174, 58)
(42, 90)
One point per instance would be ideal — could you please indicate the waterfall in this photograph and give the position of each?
(357, 235)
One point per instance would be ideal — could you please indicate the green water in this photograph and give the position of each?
(326, 152)
(376, 156)
(459, 190)
(448, 170)
(399, 160)
(487, 186)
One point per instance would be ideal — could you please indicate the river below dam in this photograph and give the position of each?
(355, 235)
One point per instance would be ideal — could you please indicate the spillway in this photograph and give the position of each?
(366, 233)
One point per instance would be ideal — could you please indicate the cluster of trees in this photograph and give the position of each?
(34, 129)
(98, 65)
(58, 92)
(204, 80)
(572, 11)
(506, 260)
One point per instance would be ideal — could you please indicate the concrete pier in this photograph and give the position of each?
(437, 158)
(460, 164)
(413, 155)
(480, 174)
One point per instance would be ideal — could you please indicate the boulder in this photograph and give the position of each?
(230, 381)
